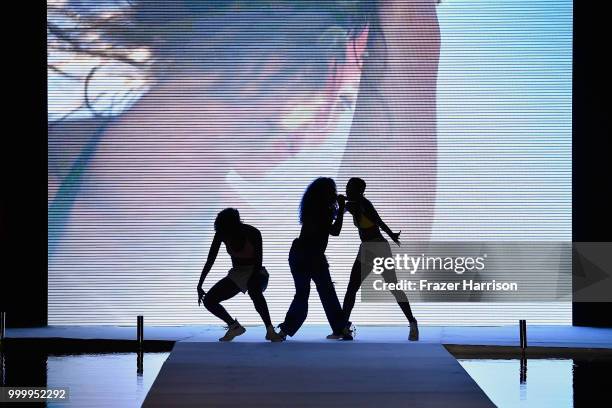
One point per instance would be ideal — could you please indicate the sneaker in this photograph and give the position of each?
(347, 334)
(414, 331)
(281, 333)
(273, 336)
(234, 330)
(350, 331)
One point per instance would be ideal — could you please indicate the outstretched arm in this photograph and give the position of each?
(212, 256)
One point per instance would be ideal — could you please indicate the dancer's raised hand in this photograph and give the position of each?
(395, 237)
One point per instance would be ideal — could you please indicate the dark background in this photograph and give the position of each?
(23, 222)
(591, 145)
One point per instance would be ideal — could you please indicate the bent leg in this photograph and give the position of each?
(221, 291)
(254, 286)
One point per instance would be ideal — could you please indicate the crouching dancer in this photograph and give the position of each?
(244, 245)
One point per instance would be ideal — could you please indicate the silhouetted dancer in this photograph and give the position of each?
(369, 223)
(244, 244)
(321, 214)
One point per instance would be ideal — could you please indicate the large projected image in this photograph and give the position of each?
(162, 113)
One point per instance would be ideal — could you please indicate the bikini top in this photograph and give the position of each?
(246, 252)
(364, 222)
(361, 221)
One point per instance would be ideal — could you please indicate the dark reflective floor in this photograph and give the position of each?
(542, 382)
(97, 374)
(108, 374)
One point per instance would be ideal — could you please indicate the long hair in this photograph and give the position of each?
(319, 200)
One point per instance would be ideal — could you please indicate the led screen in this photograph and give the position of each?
(161, 113)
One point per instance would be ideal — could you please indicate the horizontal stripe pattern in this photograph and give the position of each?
(131, 211)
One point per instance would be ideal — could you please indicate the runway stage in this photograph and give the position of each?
(300, 374)
(380, 368)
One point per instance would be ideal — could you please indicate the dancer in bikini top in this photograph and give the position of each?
(244, 245)
(369, 224)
